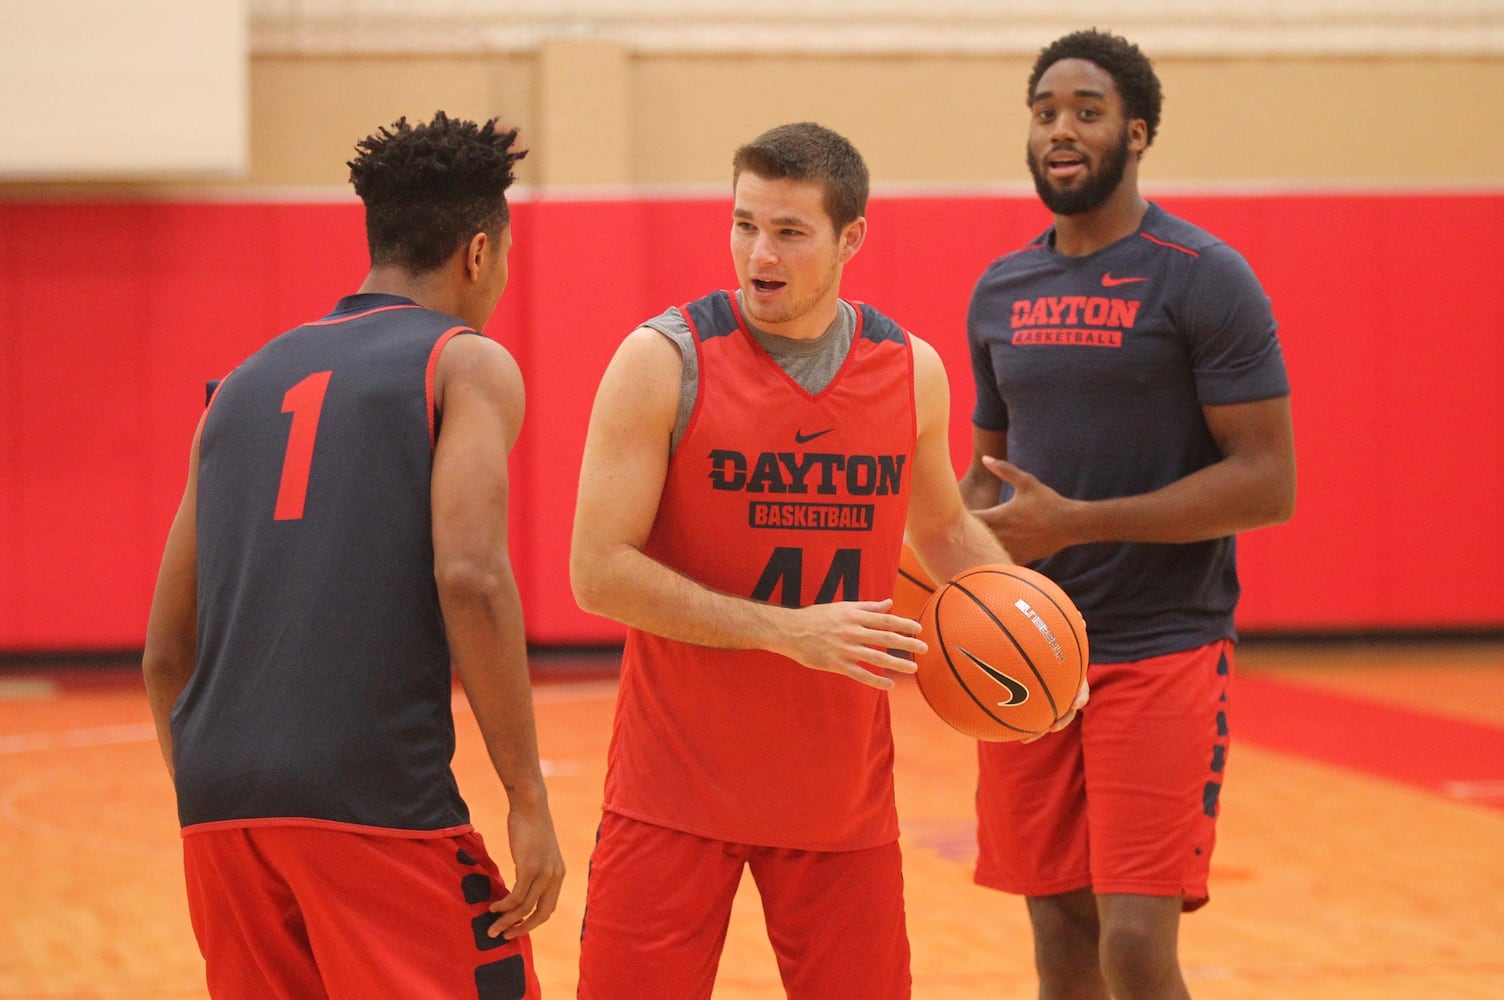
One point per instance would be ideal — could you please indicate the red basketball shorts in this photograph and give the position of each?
(1122, 801)
(659, 901)
(311, 912)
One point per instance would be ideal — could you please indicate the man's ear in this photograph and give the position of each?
(475, 254)
(852, 238)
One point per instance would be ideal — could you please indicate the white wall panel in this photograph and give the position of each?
(102, 89)
(1163, 27)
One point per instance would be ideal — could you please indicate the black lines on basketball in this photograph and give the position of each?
(1068, 614)
(945, 650)
(1000, 664)
(921, 584)
(1023, 654)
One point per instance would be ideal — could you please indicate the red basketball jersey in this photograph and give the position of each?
(790, 498)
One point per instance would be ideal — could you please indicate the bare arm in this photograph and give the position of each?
(622, 474)
(480, 395)
(941, 531)
(1252, 485)
(979, 487)
(170, 653)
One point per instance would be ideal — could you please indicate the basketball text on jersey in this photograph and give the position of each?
(811, 516)
(819, 473)
(1087, 320)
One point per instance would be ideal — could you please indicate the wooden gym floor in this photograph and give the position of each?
(1360, 854)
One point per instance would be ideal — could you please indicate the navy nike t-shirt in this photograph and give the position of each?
(1097, 367)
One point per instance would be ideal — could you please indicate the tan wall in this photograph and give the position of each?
(308, 113)
(597, 115)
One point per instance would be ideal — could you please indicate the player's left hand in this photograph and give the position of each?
(539, 876)
(1031, 524)
(1083, 694)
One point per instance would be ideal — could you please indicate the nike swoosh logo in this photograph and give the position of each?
(1108, 281)
(1017, 693)
(801, 438)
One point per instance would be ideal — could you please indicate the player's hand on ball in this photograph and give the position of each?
(1082, 696)
(853, 638)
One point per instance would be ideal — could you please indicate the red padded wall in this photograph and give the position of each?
(113, 314)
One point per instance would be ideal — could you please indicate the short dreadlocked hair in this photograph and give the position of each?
(1131, 71)
(429, 188)
(805, 151)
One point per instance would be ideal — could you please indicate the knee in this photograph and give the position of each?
(1065, 939)
(1139, 956)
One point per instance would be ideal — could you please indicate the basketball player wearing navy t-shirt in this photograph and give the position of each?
(1133, 401)
(340, 549)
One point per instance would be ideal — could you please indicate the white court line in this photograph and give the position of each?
(1490, 790)
(97, 736)
(27, 689)
(570, 692)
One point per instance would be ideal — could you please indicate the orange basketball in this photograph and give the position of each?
(913, 587)
(1007, 652)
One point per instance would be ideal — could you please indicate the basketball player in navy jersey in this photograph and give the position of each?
(1132, 415)
(340, 548)
(752, 462)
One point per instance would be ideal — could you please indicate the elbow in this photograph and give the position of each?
(156, 666)
(167, 663)
(1287, 496)
(1286, 509)
(1281, 504)
(599, 578)
(1269, 491)
(586, 584)
(468, 580)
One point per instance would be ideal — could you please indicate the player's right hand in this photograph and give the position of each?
(858, 639)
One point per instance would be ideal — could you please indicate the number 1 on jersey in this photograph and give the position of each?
(305, 401)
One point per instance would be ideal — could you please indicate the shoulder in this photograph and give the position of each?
(473, 363)
(474, 351)
(477, 387)
(650, 358)
(1176, 235)
(1034, 253)
(476, 362)
(672, 325)
(710, 315)
(1173, 233)
(876, 325)
(927, 361)
(1210, 257)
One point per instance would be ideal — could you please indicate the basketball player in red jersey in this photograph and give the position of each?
(752, 462)
(341, 547)
(1133, 414)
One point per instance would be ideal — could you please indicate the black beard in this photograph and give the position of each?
(1098, 188)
